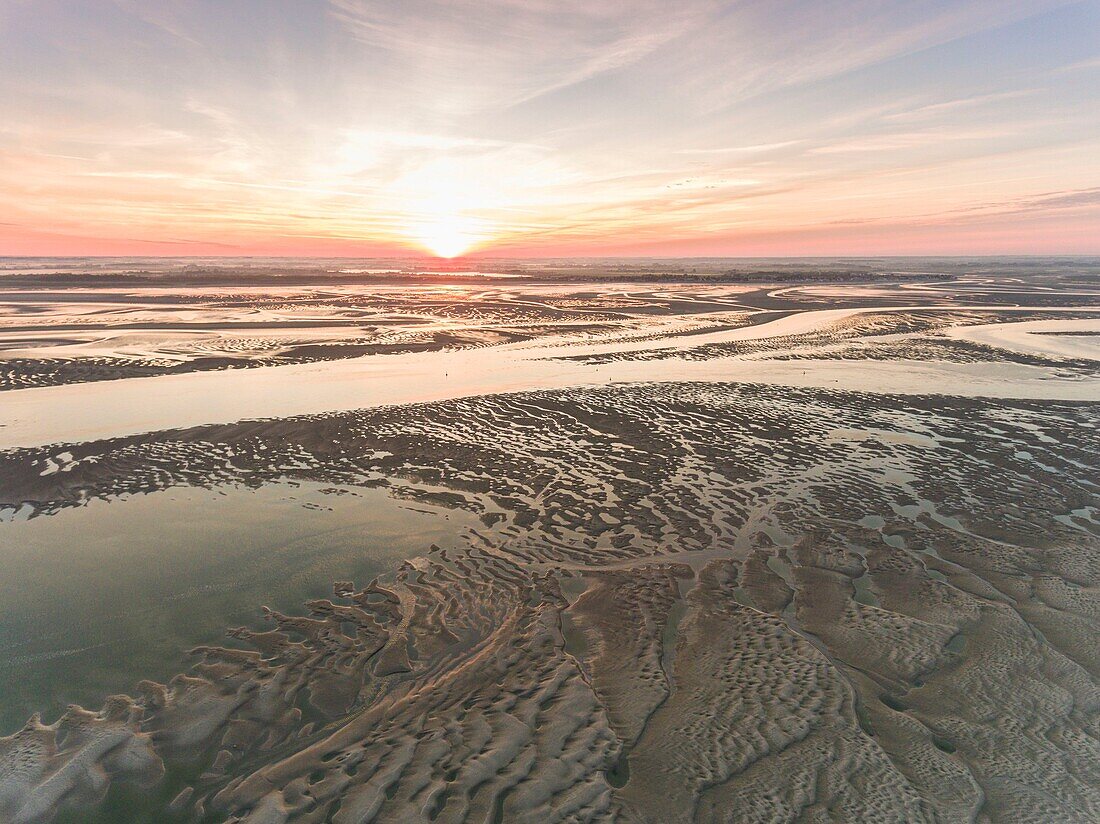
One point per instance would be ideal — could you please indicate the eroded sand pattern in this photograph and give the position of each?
(676, 598)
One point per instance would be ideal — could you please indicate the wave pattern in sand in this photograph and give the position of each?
(709, 602)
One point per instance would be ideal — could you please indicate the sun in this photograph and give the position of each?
(444, 204)
(447, 236)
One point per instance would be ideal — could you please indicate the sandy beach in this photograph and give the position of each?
(503, 578)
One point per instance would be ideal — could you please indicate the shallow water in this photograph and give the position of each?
(86, 411)
(1063, 338)
(94, 599)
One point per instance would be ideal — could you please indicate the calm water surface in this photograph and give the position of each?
(95, 598)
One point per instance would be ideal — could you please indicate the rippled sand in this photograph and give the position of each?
(726, 554)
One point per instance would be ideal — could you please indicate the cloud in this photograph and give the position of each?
(536, 118)
(903, 141)
(758, 148)
(467, 55)
(758, 46)
(933, 110)
(160, 17)
(1049, 202)
(1080, 65)
(1055, 201)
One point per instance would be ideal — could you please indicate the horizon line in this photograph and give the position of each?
(473, 259)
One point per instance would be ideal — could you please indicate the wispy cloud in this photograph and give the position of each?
(1053, 201)
(783, 43)
(1080, 65)
(947, 107)
(539, 125)
(467, 55)
(757, 148)
(901, 141)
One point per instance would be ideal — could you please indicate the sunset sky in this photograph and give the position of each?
(549, 127)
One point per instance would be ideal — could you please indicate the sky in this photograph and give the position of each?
(549, 127)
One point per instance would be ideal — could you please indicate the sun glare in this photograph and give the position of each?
(444, 201)
(447, 237)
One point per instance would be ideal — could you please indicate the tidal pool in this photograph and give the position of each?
(95, 598)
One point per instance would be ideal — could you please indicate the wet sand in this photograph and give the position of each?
(86, 411)
(839, 565)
